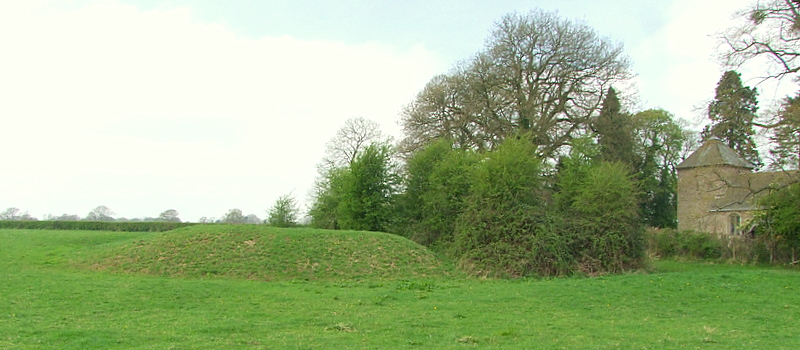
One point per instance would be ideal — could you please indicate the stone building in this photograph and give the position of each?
(718, 191)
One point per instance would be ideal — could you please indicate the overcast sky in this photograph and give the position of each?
(205, 106)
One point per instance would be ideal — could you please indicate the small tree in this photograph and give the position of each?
(328, 189)
(101, 213)
(284, 212)
(367, 190)
(234, 216)
(10, 214)
(170, 215)
(252, 219)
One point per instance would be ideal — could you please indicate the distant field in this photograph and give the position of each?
(86, 290)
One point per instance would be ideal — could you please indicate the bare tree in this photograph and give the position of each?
(253, 219)
(101, 213)
(356, 134)
(539, 74)
(234, 216)
(770, 30)
(10, 214)
(170, 215)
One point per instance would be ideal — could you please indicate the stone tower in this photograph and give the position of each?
(709, 195)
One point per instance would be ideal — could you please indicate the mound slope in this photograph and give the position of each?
(272, 254)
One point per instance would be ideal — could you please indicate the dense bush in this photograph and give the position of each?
(94, 225)
(496, 231)
(358, 196)
(438, 179)
(779, 223)
(606, 219)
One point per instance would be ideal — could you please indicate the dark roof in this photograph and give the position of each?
(714, 152)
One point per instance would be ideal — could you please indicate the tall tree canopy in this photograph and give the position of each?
(732, 113)
(538, 73)
(659, 142)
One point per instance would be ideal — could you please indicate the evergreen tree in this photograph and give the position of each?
(786, 135)
(615, 132)
(732, 113)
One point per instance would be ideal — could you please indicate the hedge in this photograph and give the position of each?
(95, 225)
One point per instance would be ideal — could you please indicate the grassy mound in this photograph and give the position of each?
(268, 253)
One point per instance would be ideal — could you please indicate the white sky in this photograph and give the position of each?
(204, 106)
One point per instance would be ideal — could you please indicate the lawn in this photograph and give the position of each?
(50, 300)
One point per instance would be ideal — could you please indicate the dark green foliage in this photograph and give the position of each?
(659, 143)
(661, 209)
(606, 219)
(786, 135)
(95, 225)
(732, 114)
(615, 132)
(495, 233)
(780, 222)
(438, 178)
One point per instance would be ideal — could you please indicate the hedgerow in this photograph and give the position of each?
(95, 225)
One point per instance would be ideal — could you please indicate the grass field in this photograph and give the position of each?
(77, 290)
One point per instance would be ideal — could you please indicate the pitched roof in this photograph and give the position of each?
(714, 152)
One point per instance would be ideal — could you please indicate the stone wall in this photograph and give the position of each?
(698, 188)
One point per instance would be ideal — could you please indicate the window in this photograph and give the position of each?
(735, 222)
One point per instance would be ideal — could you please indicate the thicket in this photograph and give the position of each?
(95, 225)
(778, 224)
(358, 196)
(504, 213)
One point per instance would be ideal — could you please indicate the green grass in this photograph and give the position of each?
(48, 300)
(271, 254)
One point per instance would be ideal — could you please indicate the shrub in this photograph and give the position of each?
(779, 223)
(603, 211)
(438, 179)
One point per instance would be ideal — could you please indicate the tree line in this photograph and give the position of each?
(524, 160)
(284, 213)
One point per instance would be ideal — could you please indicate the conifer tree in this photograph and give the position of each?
(615, 132)
(786, 135)
(732, 114)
